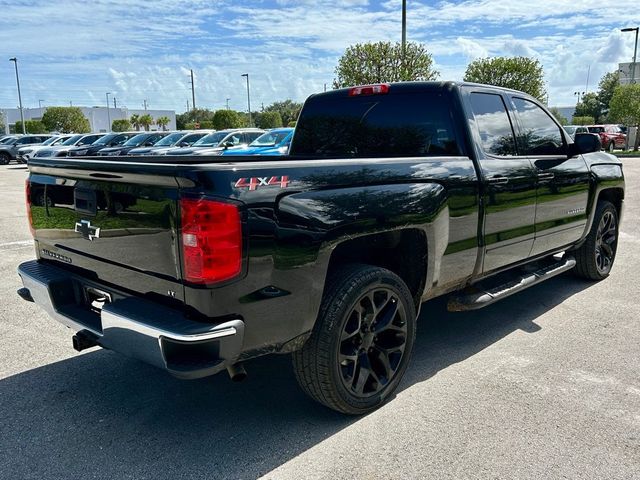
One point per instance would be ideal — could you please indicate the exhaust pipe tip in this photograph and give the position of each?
(237, 373)
(83, 340)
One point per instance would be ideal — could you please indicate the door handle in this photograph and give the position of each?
(498, 180)
(546, 176)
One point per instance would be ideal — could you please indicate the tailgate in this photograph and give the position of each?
(115, 227)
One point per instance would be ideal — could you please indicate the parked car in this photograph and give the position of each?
(77, 140)
(573, 129)
(611, 136)
(109, 140)
(274, 142)
(172, 140)
(394, 194)
(215, 143)
(145, 139)
(9, 149)
(25, 153)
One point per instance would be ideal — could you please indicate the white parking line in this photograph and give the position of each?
(16, 245)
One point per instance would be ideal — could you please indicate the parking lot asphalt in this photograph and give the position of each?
(544, 384)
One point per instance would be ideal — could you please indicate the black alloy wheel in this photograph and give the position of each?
(594, 259)
(361, 342)
(373, 342)
(606, 242)
(5, 159)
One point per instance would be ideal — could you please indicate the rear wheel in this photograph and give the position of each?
(595, 257)
(361, 343)
(611, 147)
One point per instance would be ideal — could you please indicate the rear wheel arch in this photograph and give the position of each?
(403, 252)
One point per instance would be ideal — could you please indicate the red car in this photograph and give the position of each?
(611, 136)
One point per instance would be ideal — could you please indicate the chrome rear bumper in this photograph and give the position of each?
(134, 326)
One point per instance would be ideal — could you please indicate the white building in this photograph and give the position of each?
(98, 116)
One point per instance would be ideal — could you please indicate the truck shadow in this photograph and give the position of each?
(100, 415)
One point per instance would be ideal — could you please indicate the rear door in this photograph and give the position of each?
(508, 181)
(563, 181)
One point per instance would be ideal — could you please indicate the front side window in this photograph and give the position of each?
(540, 135)
(493, 124)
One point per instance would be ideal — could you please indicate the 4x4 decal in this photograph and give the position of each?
(254, 183)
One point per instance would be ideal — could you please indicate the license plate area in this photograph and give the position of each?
(95, 298)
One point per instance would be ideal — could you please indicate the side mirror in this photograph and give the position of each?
(184, 144)
(585, 143)
(228, 143)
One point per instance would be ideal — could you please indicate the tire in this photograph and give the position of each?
(611, 147)
(5, 159)
(353, 363)
(595, 257)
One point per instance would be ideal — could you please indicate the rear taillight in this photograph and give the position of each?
(379, 89)
(27, 193)
(211, 240)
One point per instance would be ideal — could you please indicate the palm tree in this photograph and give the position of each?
(146, 121)
(163, 122)
(135, 121)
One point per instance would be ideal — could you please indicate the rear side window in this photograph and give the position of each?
(393, 125)
(540, 135)
(493, 124)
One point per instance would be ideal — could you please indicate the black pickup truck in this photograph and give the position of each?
(392, 194)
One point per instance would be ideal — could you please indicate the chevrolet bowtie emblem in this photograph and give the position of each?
(84, 228)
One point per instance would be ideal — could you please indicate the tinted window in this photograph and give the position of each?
(494, 126)
(392, 125)
(540, 135)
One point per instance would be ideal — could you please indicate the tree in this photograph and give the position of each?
(288, 110)
(121, 125)
(193, 116)
(135, 121)
(226, 119)
(606, 87)
(589, 106)
(163, 122)
(380, 62)
(519, 73)
(146, 121)
(576, 120)
(625, 108)
(269, 120)
(31, 126)
(561, 118)
(65, 120)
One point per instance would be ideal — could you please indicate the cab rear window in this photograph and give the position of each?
(393, 125)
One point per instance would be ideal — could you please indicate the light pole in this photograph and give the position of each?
(578, 94)
(248, 98)
(635, 51)
(15, 61)
(108, 113)
(40, 104)
(228, 103)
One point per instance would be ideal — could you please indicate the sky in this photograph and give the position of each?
(76, 51)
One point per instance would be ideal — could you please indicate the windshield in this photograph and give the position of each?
(211, 140)
(137, 140)
(72, 140)
(270, 139)
(50, 141)
(106, 139)
(571, 130)
(169, 140)
(9, 140)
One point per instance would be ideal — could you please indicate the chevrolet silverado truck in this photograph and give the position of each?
(392, 194)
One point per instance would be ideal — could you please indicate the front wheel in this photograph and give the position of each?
(611, 147)
(5, 159)
(362, 340)
(595, 257)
